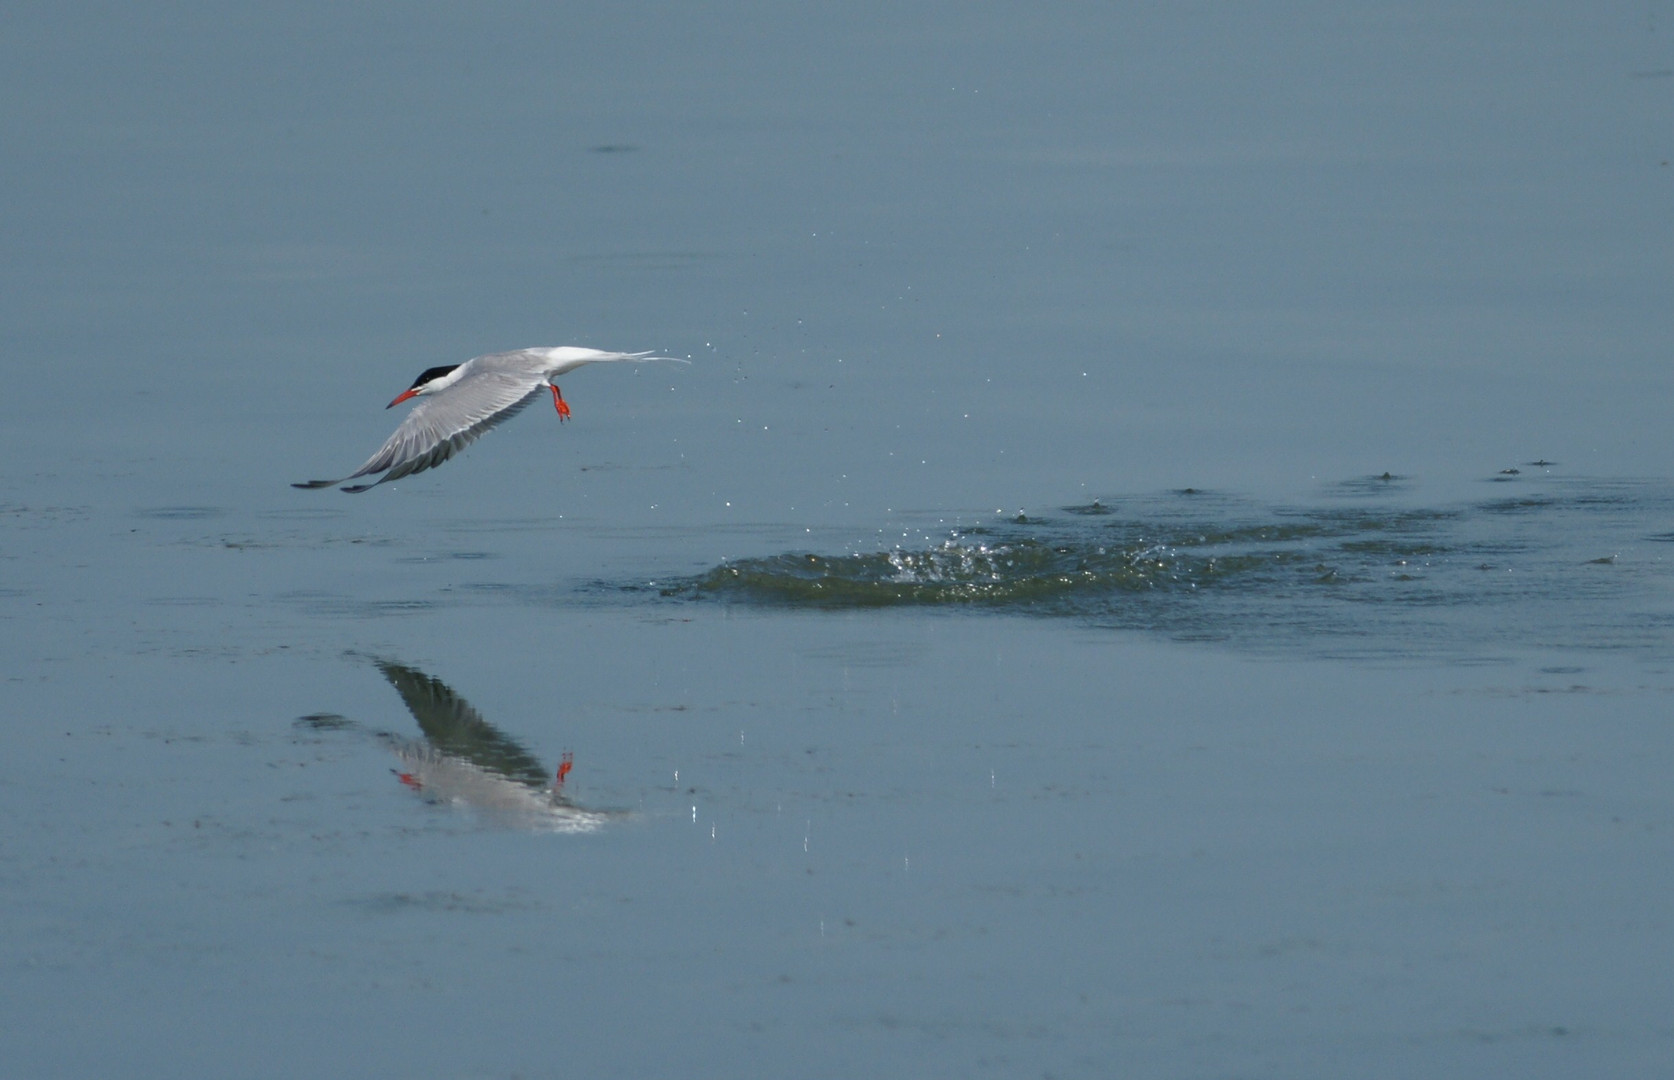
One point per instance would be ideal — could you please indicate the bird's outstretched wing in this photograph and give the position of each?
(440, 427)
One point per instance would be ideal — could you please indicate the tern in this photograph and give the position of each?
(462, 401)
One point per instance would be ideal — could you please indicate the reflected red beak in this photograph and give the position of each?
(405, 394)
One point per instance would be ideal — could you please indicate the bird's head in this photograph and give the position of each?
(432, 380)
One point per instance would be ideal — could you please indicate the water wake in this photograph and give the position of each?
(1570, 564)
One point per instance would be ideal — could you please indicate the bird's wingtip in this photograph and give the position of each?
(310, 485)
(652, 355)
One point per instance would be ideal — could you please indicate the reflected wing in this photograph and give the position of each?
(454, 728)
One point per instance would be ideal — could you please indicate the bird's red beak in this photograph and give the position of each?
(405, 394)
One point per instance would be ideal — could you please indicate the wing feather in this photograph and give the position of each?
(440, 427)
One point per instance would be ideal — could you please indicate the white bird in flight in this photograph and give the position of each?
(461, 401)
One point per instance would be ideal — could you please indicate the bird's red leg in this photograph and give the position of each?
(564, 767)
(559, 403)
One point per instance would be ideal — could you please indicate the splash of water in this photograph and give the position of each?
(1576, 564)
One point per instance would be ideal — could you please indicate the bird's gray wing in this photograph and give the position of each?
(441, 426)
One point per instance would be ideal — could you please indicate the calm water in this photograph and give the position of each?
(1159, 564)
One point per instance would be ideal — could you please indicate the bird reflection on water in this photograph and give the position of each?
(463, 760)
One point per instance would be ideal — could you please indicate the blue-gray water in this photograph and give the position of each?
(1158, 565)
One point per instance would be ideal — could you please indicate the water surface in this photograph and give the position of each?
(1157, 566)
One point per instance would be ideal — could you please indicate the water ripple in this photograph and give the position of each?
(1568, 565)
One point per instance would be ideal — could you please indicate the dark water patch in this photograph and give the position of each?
(545, 594)
(1526, 505)
(444, 556)
(180, 513)
(324, 722)
(289, 540)
(25, 517)
(374, 609)
(1381, 484)
(1555, 567)
(343, 607)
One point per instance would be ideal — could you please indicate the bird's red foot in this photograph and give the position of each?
(410, 780)
(560, 404)
(564, 768)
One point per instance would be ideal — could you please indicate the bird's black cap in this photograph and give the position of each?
(431, 373)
